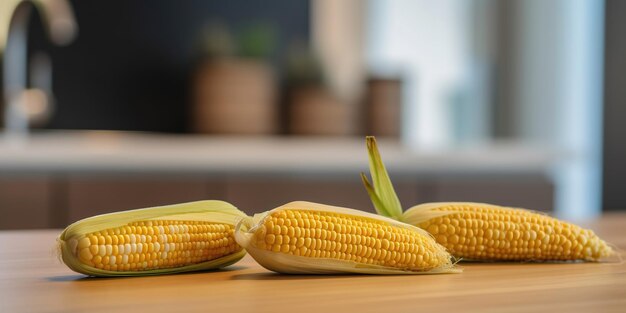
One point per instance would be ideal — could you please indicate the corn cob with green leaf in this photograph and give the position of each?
(310, 238)
(478, 231)
(159, 240)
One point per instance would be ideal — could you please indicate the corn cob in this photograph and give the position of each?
(160, 240)
(310, 238)
(484, 232)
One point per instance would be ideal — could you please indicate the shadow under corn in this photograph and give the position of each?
(284, 277)
(84, 278)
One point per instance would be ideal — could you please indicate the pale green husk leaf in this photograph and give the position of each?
(423, 212)
(385, 201)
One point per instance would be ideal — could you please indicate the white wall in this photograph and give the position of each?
(559, 94)
(428, 42)
(556, 97)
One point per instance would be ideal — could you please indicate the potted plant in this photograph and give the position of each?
(313, 109)
(234, 90)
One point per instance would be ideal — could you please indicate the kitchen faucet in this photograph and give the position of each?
(23, 103)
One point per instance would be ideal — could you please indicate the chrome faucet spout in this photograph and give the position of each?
(60, 24)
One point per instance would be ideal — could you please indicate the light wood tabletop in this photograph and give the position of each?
(33, 280)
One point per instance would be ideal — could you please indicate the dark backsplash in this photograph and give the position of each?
(130, 66)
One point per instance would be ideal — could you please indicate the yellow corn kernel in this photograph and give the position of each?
(338, 240)
(160, 240)
(506, 233)
(158, 249)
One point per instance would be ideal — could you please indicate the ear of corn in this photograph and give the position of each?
(311, 238)
(160, 240)
(480, 231)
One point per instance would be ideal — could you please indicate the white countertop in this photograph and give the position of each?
(104, 151)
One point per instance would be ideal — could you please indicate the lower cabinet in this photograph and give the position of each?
(257, 195)
(55, 201)
(87, 196)
(26, 202)
(536, 193)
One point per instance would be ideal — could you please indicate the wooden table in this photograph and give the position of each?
(32, 280)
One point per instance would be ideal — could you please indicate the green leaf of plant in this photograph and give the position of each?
(382, 186)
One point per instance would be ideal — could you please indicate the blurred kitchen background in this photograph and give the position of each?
(112, 105)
